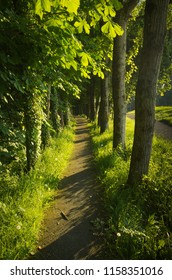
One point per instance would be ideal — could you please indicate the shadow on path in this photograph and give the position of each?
(68, 232)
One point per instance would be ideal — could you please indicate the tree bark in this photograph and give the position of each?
(45, 129)
(54, 110)
(33, 123)
(104, 103)
(154, 35)
(91, 99)
(118, 75)
(66, 113)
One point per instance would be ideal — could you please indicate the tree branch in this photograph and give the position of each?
(128, 6)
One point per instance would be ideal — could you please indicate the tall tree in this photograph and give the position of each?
(118, 74)
(91, 92)
(104, 102)
(154, 35)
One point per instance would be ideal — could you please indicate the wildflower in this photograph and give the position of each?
(18, 227)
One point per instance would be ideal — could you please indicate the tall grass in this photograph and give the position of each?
(23, 198)
(139, 220)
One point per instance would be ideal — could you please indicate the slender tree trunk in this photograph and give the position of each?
(45, 129)
(66, 114)
(154, 35)
(118, 85)
(33, 123)
(92, 99)
(54, 110)
(104, 103)
(98, 99)
(118, 75)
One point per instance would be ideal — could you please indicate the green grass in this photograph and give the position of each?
(139, 220)
(23, 199)
(164, 114)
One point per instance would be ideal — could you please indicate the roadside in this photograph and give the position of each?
(161, 128)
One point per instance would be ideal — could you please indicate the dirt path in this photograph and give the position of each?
(161, 128)
(68, 232)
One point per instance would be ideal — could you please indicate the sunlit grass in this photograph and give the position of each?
(23, 199)
(164, 114)
(139, 220)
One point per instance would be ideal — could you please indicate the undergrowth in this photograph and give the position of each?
(23, 198)
(139, 220)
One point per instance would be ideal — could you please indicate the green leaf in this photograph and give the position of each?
(112, 31)
(112, 12)
(86, 27)
(46, 4)
(118, 29)
(71, 5)
(42, 5)
(38, 8)
(84, 59)
(105, 28)
(82, 24)
(117, 5)
(79, 26)
(106, 11)
(109, 11)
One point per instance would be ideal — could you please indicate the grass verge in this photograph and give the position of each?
(139, 220)
(23, 199)
(164, 114)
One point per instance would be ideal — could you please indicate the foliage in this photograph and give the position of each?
(24, 198)
(138, 224)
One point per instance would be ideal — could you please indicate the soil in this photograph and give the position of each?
(68, 231)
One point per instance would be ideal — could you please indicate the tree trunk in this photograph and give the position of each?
(54, 110)
(66, 114)
(91, 99)
(118, 75)
(45, 129)
(118, 85)
(33, 123)
(154, 34)
(104, 103)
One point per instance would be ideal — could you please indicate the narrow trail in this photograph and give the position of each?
(68, 233)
